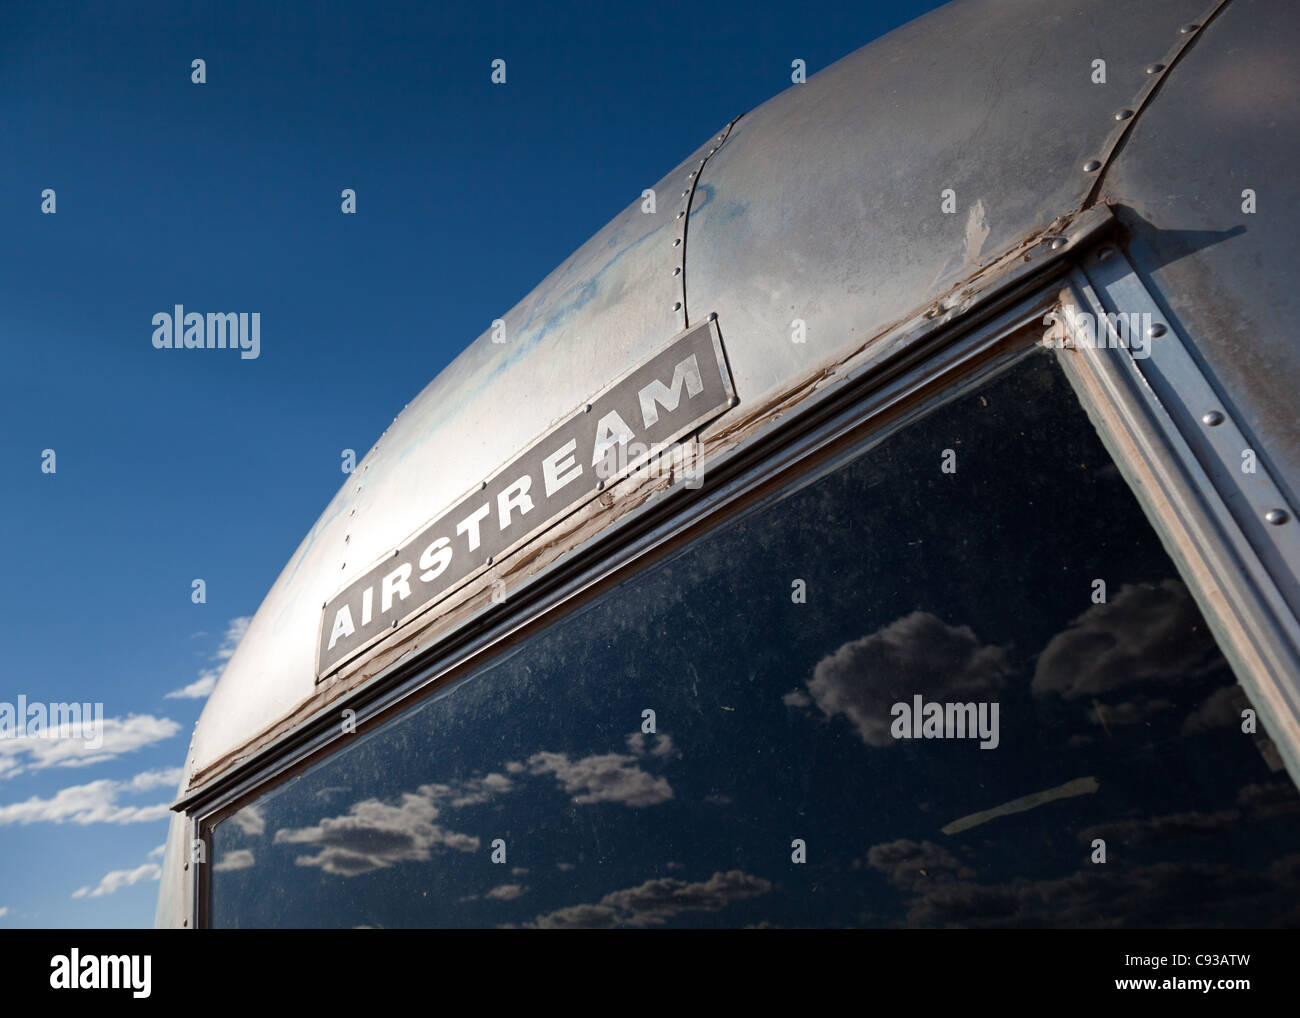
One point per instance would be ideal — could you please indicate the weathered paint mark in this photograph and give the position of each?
(977, 230)
(1079, 786)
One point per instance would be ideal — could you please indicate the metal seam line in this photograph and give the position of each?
(684, 215)
(1127, 116)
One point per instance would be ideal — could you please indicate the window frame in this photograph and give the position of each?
(882, 394)
(1153, 415)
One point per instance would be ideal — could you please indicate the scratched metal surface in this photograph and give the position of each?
(824, 203)
(1229, 122)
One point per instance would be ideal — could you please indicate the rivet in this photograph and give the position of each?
(1276, 517)
(1155, 68)
(677, 241)
(343, 566)
(1123, 114)
(680, 214)
(677, 305)
(1092, 165)
(600, 485)
(690, 175)
(684, 194)
(712, 150)
(1212, 419)
(1058, 243)
(394, 625)
(185, 922)
(587, 409)
(394, 553)
(1188, 28)
(713, 316)
(677, 270)
(347, 538)
(489, 560)
(1155, 330)
(1105, 254)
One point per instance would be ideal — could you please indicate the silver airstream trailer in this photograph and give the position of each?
(897, 526)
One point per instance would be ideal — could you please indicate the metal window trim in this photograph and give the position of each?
(1024, 273)
(882, 403)
(868, 421)
(1142, 414)
(1177, 440)
(1177, 494)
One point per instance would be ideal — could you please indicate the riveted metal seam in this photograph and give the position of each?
(684, 217)
(1156, 72)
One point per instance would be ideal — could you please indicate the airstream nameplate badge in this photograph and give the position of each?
(635, 418)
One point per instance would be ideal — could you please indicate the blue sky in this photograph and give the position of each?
(226, 196)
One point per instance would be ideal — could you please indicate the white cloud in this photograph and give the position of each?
(612, 777)
(474, 791)
(1221, 709)
(235, 630)
(157, 853)
(250, 821)
(660, 746)
(207, 680)
(117, 879)
(239, 859)
(1148, 633)
(167, 777)
(375, 835)
(4, 911)
(71, 748)
(918, 653)
(199, 688)
(914, 864)
(657, 901)
(92, 803)
(506, 892)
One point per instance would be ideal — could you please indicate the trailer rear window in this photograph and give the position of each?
(954, 680)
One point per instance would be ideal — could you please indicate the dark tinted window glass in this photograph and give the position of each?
(988, 554)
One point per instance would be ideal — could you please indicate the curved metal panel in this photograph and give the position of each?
(609, 304)
(825, 205)
(1228, 123)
